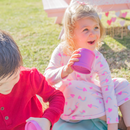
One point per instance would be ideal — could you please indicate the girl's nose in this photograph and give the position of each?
(92, 33)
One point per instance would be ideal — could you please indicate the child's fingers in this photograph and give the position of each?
(29, 119)
(70, 63)
(72, 60)
(76, 51)
(75, 55)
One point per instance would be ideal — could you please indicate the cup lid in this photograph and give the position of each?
(32, 125)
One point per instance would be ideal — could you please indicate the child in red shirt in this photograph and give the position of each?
(18, 89)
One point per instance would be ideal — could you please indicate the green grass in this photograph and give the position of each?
(35, 33)
(37, 36)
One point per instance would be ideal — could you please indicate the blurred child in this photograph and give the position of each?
(18, 89)
(85, 97)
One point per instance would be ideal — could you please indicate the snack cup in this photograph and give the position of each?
(85, 61)
(32, 125)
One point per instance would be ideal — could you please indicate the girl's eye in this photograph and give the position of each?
(96, 27)
(85, 29)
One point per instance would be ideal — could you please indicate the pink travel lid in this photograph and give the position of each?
(32, 125)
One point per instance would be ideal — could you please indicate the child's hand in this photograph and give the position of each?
(67, 68)
(44, 123)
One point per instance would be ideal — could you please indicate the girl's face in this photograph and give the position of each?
(86, 34)
(7, 83)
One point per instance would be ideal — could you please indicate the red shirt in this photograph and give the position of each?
(23, 103)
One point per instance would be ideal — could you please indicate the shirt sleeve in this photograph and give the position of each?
(54, 69)
(107, 87)
(49, 94)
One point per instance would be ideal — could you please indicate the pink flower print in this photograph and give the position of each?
(89, 105)
(101, 65)
(83, 111)
(107, 80)
(70, 83)
(91, 87)
(84, 89)
(106, 88)
(109, 109)
(114, 80)
(76, 106)
(97, 57)
(62, 64)
(117, 119)
(108, 122)
(73, 117)
(78, 75)
(66, 103)
(68, 79)
(72, 95)
(89, 118)
(126, 99)
(91, 76)
(120, 93)
(99, 100)
(79, 97)
(59, 54)
(107, 101)
(71, 110)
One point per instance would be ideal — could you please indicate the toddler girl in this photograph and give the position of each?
(86, 97)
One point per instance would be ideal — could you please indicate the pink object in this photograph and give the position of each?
(32, 125)
(85, 61)
(107, 13)
(124, 14)
(109, 22)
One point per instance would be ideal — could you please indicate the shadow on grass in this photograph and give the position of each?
(120, 59)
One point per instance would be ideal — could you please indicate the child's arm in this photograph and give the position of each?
(49, 94)
(113, 126)
(56, 70)
(107, 87)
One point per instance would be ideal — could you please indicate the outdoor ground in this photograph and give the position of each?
(37, 36)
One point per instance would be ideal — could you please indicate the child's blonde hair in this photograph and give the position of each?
(74, 12)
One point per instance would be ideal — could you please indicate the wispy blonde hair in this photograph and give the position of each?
(73, 13)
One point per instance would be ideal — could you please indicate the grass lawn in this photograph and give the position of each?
(37, 36)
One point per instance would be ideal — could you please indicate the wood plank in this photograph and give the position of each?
(54, 4)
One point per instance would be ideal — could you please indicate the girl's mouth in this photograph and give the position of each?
(91, 42)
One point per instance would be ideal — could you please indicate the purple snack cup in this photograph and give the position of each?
(32, 125)
(85, 61)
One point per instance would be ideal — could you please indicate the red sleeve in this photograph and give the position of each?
(49, 94)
